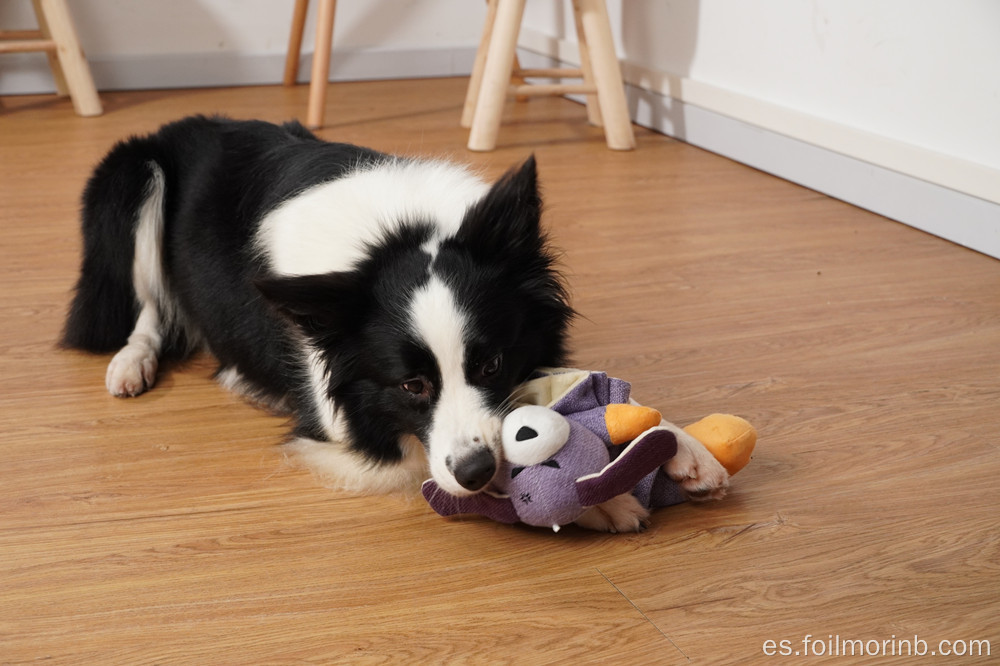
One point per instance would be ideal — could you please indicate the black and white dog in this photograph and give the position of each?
(391, 305)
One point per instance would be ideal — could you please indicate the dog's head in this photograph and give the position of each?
(430, 334)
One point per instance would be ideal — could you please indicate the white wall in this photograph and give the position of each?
(885, 88)
(171, 43)
(892, 105)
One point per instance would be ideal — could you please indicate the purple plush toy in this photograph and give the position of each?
(585, 447)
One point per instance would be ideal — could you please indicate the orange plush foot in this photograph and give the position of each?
(729, 438)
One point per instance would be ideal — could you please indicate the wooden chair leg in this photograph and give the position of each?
(496, 75)
(593, 106)
(607, 74)
(295, 42)
(54, 17)
(476, 78)
(319, 79)
(57, 74)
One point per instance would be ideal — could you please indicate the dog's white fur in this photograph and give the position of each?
(133, 368)
(302, 237)
(337, 467)
(461, 414)
(305, 236)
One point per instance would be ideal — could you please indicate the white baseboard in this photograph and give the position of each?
(954, 199)
(29, 73)
(957, 217)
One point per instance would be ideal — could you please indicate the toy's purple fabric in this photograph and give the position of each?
(656, 490)
(638, 463)
(500, 509)
(560, 460)
(597, 390)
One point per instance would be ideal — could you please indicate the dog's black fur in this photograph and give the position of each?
(342, 350)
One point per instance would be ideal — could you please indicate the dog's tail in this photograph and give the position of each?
(125, 194)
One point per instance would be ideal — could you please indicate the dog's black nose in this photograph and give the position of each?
(476, 470)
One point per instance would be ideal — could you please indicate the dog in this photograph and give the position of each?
(390, 305)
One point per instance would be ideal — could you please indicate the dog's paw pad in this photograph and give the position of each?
(132, 371)
(700, 476)
(619, 514)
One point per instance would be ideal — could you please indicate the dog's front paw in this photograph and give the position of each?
(132, 371)
(698, 473)
(623, 513)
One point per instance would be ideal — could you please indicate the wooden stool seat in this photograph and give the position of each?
(496, 68)
(56, 36)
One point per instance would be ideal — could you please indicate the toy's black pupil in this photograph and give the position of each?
(525, 433)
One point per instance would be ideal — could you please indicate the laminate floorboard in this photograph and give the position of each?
(169, 528)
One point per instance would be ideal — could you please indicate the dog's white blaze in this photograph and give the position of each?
(327, 227)
(461, 414)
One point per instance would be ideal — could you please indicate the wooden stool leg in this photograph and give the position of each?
(295, 42)
(57, 74)
(321, 63)
(496, 75)
(607, 75)
(75, 72)
(593, 106)
(476, 78)
(516, 79)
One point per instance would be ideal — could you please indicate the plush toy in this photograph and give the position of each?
(579, 444)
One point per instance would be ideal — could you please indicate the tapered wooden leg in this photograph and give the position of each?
(57, 74)
(476, 78)
(295, 42)
(496, 75)
(75, 71)
(319, 79)
(593, 106)
(607, 74)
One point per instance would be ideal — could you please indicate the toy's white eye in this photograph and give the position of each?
(533, 434)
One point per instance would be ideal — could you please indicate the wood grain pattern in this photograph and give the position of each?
(169, 529)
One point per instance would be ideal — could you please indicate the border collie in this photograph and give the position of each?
(390, 305)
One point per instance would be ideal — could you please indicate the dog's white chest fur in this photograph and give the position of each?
(327, 227)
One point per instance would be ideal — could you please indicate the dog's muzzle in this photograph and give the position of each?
(475, 470)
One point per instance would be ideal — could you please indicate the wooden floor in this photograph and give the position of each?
(169, 529)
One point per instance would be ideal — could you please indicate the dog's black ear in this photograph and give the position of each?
(324, 306)
(508, 218)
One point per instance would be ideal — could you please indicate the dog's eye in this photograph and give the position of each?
(492, 366)
(415, 386)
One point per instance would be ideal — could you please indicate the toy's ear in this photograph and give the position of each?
(647, 452)
(533, 434)
(484, 504)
